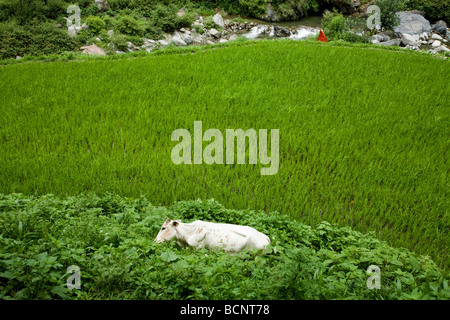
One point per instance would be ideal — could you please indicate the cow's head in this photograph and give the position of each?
(167, 231)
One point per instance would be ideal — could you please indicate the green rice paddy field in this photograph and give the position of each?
(364, 134)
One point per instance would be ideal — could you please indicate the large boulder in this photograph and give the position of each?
(408, 40)
(178, 41)
(216, 34)
(93, 49)
(440, 27)
(393, 42)
(412, 23)
(218, 20)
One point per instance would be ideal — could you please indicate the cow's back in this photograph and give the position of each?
(252, 238)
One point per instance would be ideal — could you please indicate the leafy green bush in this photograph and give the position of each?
(388, 8)
(208, 22)
(96, 24)
(129, 26)
(199, 29)
(111, 240)
(37, 39)
(434, 9)
(334, 24)
(119, 42)
(55, 8)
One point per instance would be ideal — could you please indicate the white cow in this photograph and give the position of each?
(200, 234)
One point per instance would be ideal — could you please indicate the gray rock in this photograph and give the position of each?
(84, 26)
(408, 40)
(223, 40)
(188, 39)
(163, 43)
(424, 36)
(393, 42)
(441, 30)
(178, 41)
(218, 20)
(435, 36)
(233, 37)
(379, 38)
(102, 5)
(281, 31)
(416, 48)
(440, 27)
(440, 23)
(436, 43)
(216, 34)
(412, 23)
(441, 49)
(93, 49)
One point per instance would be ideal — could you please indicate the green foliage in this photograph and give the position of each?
(111, 240)
(434, 9)
(43, 38)
(129, 26)
(119, 42)
(208, 22)
(336, 27)
(96, 24)
(334, 24)
(165, 19)
(55, 8)
(388, 8)
(199, 29)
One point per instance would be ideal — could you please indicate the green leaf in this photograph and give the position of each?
(396, 262)
(169, 256)
(60, 291)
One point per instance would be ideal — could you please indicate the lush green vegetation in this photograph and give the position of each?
(111, 240)
(363, 138)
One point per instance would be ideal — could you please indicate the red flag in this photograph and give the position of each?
(322, 37)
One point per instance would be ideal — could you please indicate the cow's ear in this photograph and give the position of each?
(168, 220)
(175, 224)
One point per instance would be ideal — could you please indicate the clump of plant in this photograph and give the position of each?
(199, 29)
(119, 42)
(388, 9)
(96, 24)
(208, 22)
(337, 27)
(35, 39)
(166, 19)
(129, 26)
(334, 24)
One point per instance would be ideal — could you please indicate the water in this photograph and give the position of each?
(312, 21)
(301, 29)
(264, 31)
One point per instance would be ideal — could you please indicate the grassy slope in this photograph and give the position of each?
(363, 134)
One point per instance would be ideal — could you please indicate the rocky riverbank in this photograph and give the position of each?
(414, 32)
